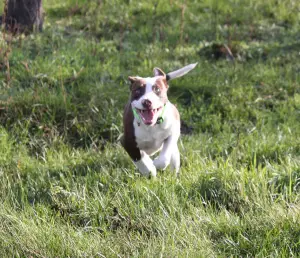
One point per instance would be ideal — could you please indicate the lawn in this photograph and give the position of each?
(67, 187)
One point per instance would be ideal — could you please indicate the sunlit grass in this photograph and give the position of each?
(67, 187)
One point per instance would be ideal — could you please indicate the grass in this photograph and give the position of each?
(68, 189)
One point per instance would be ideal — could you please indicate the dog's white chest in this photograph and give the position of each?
(150, 139)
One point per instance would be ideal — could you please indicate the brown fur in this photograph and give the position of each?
(128, 140)
(162, 84)
(137, 85)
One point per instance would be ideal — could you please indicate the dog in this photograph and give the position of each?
(152, 123)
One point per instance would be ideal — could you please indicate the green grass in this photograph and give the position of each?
(68, 189)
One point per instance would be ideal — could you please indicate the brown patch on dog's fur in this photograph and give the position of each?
(137, 87)
(158, 72)
(162, 84)
(128, 140)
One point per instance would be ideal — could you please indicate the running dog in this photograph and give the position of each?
(152, 122)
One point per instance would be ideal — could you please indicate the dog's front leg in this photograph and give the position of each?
(164, 158)
(145, 165)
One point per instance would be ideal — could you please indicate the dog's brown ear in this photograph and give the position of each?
(132, 79)
(158, 72)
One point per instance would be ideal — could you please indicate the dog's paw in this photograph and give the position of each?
(161, 162)
(146, 167)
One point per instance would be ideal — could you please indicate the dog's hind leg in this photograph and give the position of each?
(175, 160)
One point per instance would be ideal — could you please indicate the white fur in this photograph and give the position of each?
(164, 137)
(145, 165)
(149, 94)
(182, 71)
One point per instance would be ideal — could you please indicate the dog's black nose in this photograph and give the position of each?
(146, 103)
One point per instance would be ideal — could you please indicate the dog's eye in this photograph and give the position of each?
(156, 89)
(137, 92)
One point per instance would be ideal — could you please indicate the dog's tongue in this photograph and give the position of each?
(148, 116)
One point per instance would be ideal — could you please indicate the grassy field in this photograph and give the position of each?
(68, 189)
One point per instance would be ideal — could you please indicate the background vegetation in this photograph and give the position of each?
(67, 188)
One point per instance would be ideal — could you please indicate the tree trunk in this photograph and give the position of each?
(23, 16)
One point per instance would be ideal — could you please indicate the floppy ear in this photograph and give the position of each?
(158, 72)
(132, 79)
(180, 72)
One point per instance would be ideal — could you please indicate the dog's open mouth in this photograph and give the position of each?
(149, 116)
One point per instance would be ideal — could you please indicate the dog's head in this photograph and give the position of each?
(149, 95)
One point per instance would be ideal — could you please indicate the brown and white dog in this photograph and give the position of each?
(152, 123)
